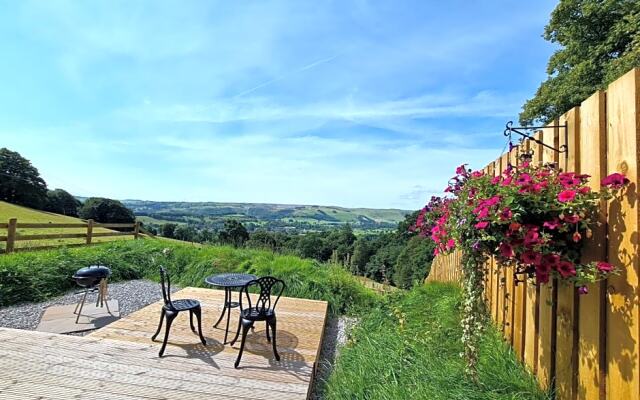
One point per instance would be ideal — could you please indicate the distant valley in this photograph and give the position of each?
(272, 217)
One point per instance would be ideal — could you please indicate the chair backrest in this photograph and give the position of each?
(166, 291)
(268, 286)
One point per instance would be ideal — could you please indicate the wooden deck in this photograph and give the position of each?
(120, 362)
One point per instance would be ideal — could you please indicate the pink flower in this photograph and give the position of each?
(532, 237)
(477, 174)
(495, 180)
(604, 266)
(531, 257)
(576, 237)
(506, 250)
(583, 290)
(523, 179)
(482, 225)
(451, 244)
(566, 269)
(550, 261)
(615, 181)
(572, 219)
(514, 226)
(584, 190)
(554, 224)
(506, 214)
(461, 170)
(506, 181)
(566, 196)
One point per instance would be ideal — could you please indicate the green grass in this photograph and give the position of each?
(24, 214)
(39, 275)
(408, 348)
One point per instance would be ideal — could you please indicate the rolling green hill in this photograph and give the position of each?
(273, 217)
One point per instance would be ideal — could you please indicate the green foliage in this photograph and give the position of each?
(599, 41)
(20, 182)
(233, 233)
(36, 276)
(168, 230)
(409, 348)
(414, 262)
(105, 210)
(62, 202)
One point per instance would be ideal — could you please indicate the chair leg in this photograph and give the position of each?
(268, 337)
(193, 328)
(235, 338)
(272, 322)
(170, 315)
(198, 313)
(155, 335)
(246, 324)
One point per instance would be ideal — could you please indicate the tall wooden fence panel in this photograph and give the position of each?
(581, 347)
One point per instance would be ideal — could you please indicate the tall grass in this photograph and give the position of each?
(409, 348)
(36, 276)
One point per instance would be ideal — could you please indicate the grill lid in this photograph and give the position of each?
(93, 271)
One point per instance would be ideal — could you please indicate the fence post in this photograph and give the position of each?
(136, 230)
(89, 230)
(11, 235)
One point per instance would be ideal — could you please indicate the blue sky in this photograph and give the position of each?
(351, 103)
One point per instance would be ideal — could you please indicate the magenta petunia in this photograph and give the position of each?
(615, 181)
(604, 266)
(482, 225)
(506, 250)
(531, 257)
(566, 269)
(553, 224)
(566, 196)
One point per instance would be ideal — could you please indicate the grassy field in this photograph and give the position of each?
(409, 346)
(39, 275)
(24, 214)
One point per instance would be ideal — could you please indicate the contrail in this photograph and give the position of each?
(281, 77)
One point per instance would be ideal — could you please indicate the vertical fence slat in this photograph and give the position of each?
(546, 356)
(593, 147)
(623, 380)
(566, 344)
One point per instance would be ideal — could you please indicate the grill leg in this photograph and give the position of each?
(81, 304)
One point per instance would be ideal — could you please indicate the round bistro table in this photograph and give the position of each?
(229, 281)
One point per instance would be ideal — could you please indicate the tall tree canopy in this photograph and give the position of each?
(599, 41)
(105, 210)
(20, 182)
(62, 202)
(233, 233)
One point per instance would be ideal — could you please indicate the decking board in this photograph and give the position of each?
(120, 362)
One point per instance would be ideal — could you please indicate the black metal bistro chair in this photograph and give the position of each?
(263, 310)
(171, 309)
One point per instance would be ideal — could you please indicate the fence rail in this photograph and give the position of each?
(13, 235)
(583, 347)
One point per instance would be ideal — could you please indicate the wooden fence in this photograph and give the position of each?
(583, 347)
(12, 234)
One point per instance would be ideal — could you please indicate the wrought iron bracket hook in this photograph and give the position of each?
(523, 131)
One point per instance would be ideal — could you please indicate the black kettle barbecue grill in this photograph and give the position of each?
(92, 278)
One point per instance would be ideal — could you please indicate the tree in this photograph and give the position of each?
(62, 202)
(20, 182)
(599, 41)
(168, 230)
(363, 250)
(414, 262)
(233, 233)
(105, 210)
(186, 233)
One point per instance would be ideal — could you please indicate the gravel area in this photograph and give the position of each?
(131, 296)
(336, 333)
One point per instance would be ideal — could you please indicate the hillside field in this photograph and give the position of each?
(24, 214)
(272, 217)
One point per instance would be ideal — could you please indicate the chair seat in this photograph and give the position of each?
(183, 304)
(254, 314)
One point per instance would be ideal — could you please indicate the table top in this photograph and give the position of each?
(229, 279)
